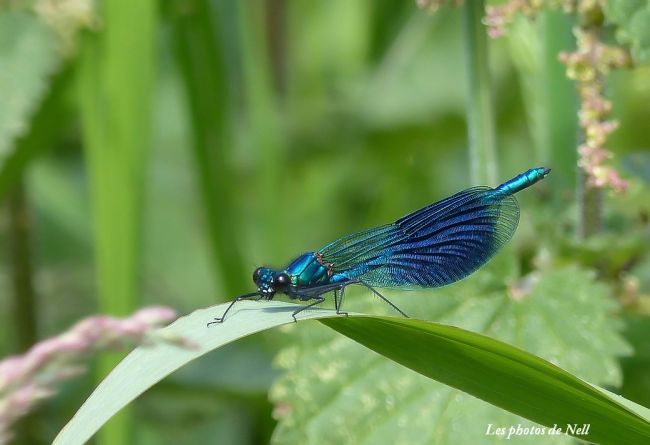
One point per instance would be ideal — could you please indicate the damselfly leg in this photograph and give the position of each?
(315, 293)
(338, 301)
(374, 291)
(319, 300)
(251, 296)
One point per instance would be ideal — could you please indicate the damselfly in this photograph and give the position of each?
(431, 247)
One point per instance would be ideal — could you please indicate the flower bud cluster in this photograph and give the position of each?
(588, 66)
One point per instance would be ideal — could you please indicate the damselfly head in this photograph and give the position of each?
(264, 278)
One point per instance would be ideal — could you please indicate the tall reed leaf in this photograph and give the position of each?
(201, 60)
(116, 76)
(480, 110)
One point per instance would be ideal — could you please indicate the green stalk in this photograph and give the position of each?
(52, 115)
(590, 199)
(204, 70)
(590, 207)
(22, 271)
(116, 75)
(262, 115)
(559, 102)
(276, 34)
(24, 297)
(480, 110)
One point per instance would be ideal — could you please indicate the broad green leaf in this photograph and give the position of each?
(501, 374)
(637, 164)
(52, 116)
(632, 18)
(28, 57)
(509, 377)
(335, 391)
(636, 369)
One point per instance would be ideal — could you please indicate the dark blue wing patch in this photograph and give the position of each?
(431, 247)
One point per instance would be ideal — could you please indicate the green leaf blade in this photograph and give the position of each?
(498, 373)
(28, 58)
(566, 304)
(631, 17)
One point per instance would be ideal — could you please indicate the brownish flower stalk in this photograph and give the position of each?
(588, 66)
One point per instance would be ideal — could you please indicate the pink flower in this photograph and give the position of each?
(587, 66)
(27, 379)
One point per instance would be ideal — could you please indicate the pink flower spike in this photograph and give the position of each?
(26, 379)
(155, 315)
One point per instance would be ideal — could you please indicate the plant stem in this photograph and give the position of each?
(590, 207)
(24, 295)
(261, 110)
(276, 35)
(480, 112)
(52, 116)
(115, 79)
(559, 100)
(590, 198)
(204, 70)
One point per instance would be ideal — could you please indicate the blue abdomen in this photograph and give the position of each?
(522, 181)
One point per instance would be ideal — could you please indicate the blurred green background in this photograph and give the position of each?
(157, 152)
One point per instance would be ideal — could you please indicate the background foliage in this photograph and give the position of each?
(159, 155)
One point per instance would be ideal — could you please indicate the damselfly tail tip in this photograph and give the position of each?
(540, 172)
(523, 180)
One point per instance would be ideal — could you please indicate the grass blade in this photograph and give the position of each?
(559, 102)
(201, 59)
(116, 76)
(480, 110)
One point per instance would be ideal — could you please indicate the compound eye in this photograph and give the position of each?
(257, 276)
(282, 280)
